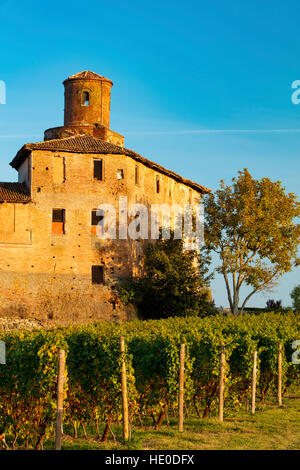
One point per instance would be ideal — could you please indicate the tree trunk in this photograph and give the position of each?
(75, 429)
(140, 421)
(235, 310)
(160, 420)
(15, 440)
(264, 393)
(39, 444)
(209, 401)
(84, 430)
(228, 292)
(206, 411)
(3, 442)
(105, 433)
(97, 429)
(236, 299)
(153, 417)
(195, 405)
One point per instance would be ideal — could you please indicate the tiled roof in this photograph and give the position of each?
(87, 75)
(89, 144)
(14, 192)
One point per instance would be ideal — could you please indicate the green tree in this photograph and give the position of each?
(295, 295)
(175, 283)
(251, 226)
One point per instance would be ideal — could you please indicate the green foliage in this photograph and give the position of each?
(175, 282)
(251, 226)
(93, 387)
(295, 295)
(28, 383)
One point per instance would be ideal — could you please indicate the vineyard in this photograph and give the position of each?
(93, 390)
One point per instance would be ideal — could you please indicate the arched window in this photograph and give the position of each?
(85, 98)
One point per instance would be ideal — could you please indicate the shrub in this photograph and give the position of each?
(274, 304)
(295, 295)
(173, 284)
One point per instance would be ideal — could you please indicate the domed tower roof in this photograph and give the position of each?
(87, 75)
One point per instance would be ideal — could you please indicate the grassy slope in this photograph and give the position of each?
(271, 428)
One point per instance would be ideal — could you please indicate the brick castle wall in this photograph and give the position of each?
(35, 262)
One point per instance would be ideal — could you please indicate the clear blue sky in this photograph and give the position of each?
(177, 67)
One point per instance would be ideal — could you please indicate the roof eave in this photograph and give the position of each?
(12, 201)
(21, 156)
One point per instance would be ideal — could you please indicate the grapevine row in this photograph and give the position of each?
(93, 367)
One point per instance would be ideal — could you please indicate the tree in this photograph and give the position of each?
(274, 304)
(251, 226)
(175, 282)
(295, 295)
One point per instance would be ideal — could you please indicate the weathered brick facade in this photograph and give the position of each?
(48, 242)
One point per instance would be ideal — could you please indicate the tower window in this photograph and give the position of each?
(136, 174)
(120, 174)
(58, 221)
(97, 275)
(98, 170)
(157, 184)
(85, 98)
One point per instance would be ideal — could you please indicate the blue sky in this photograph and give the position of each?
(176, 67)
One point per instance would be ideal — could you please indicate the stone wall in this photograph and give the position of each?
(36, 264)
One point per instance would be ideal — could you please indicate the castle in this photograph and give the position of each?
(49, 218)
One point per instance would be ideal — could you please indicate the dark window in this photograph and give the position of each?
(98, 170)
(136, 175)
(96, 221)
(58, 221)
(85, 98)
(97, 274)
(58, 215)
(97, 218)
(157, 184)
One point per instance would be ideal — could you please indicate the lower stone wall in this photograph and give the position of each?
(60, 299)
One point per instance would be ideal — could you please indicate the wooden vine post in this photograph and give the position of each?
(124, 391)
(221, 383)
(253, 389)
(60, 398)
(181, 388)
(279, 392)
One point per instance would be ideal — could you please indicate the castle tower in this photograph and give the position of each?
(87, 99)
(87, 109)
